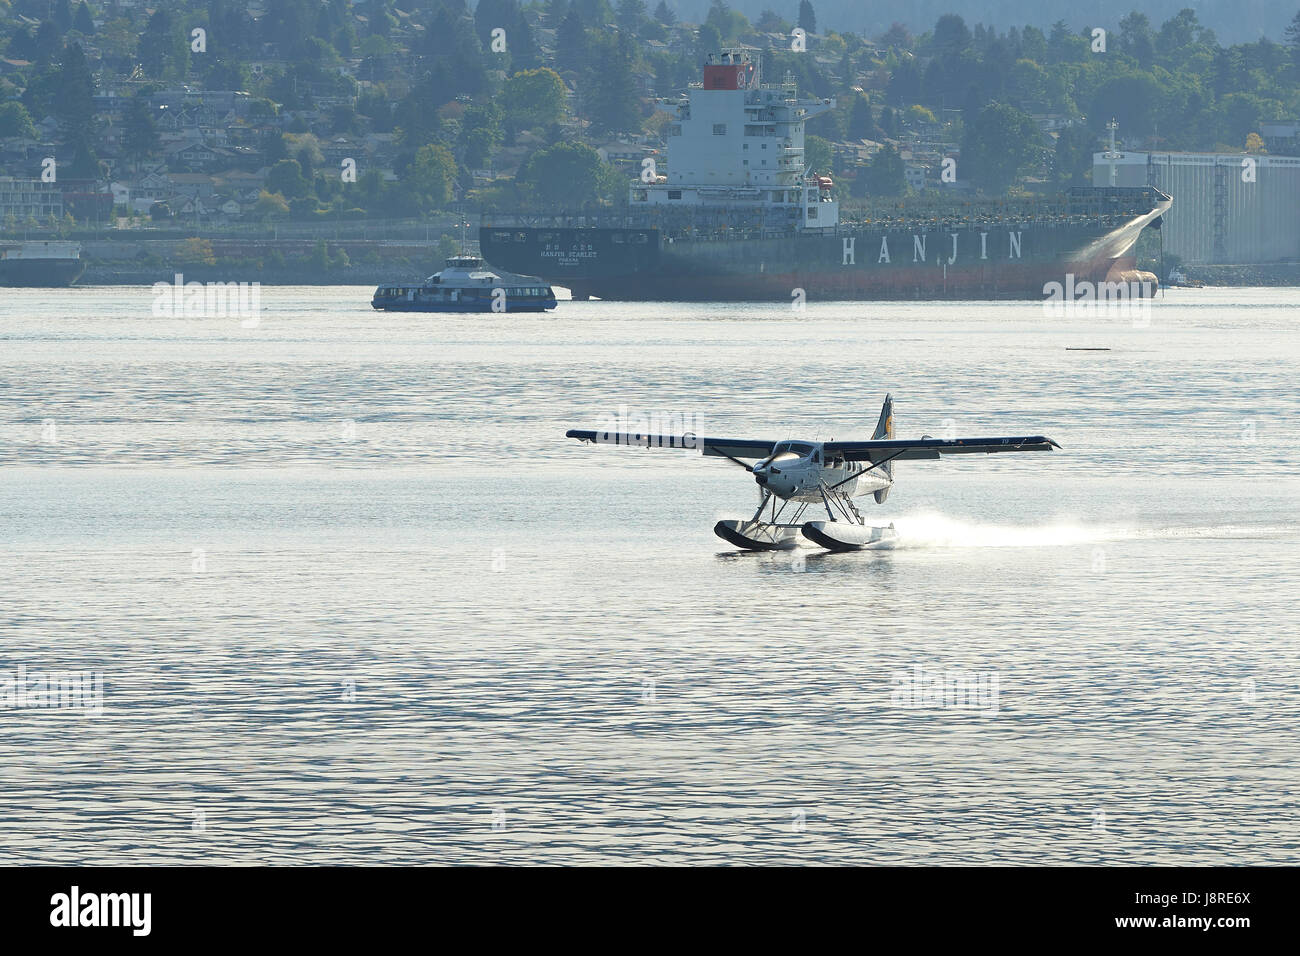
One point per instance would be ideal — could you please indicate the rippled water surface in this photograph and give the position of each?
(355, 599)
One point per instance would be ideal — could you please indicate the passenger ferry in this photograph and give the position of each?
(467, 285)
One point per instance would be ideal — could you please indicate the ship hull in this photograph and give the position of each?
(40, 273)
(986, 260)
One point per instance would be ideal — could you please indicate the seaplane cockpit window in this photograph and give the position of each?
(790, 450)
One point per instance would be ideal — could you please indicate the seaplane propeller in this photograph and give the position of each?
(803, 474)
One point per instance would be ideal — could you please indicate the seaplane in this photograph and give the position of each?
(807, 474)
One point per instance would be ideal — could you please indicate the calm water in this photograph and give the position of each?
(355, 599)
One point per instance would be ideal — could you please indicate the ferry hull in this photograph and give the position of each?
(463, 307)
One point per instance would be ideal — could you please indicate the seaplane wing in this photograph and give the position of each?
(718, 447)
(891, 449)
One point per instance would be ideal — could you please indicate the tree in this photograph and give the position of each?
(286, 178)
(1293, 39)
(630, 16)
(534, 97)
(48, 42)
(83, 22)
(196, 251)
(1136, 39)
(665, 15)
(708, 41)
(1072, 157)
(139, 134)
(74, 98)
(999, 143)
(612, 101)
(15, 121)
(807, 17)
(884, 175)
(1134, 100)
(61, 13)
(431, 176)
(571, 41)
(861, 123)
(156, 43)
(951, 36)
(566, 175)
(1255, 144)
(817, 154)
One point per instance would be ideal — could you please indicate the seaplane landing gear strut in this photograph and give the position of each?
(758, 535)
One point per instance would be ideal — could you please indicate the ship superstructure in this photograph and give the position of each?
(736, 143)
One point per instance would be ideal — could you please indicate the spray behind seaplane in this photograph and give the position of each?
(794, 476)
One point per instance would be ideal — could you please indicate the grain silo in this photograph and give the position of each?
(1228, 207)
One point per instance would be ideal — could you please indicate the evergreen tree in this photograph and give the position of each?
(61, 14)
(884, 175)
(630, 16)
(861, 123)
(556, 11)
(74, 102)
(140, 134)
(1293, 39)
(571, 42)
(665, 15)
(48, 43)
(155, 43)
(807, 16)
(613, 104)
(83, 22)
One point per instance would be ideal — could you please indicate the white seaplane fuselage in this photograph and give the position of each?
(799, 471)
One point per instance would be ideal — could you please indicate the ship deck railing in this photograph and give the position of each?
(1079, 205)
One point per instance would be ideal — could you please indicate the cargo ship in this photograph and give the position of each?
(738, 217)
(40, 263)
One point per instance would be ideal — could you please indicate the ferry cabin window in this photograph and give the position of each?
(719, 129)
(674, 194)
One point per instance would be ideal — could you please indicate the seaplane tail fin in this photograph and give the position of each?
(885, 429)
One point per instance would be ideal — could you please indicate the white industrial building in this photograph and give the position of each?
(1228, 207)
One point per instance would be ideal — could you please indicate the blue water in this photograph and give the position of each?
(355, 599)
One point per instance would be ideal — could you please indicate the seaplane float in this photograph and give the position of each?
(803, 474)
